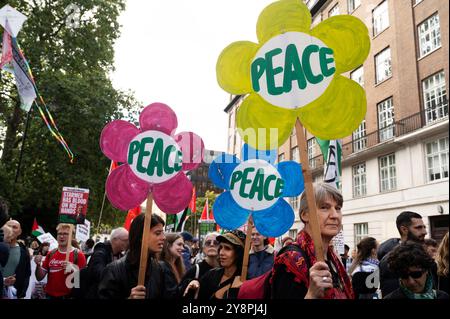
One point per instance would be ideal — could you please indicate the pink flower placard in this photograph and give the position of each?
(154, 160)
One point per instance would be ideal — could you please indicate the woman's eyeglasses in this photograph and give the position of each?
(211, 243)
(413, 274)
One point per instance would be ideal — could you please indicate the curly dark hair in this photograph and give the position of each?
(409, 254)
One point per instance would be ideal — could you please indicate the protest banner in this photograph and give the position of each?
(83, 232)
(48, 238)
(73, 205)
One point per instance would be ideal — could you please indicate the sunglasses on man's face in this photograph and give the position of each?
(211, 243)
(413, 274)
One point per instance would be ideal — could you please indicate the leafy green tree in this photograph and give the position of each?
(71, 67)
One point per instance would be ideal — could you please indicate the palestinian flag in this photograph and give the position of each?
(332, 155)
(37, 230)
(183, 216)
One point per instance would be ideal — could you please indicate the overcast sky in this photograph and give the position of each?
(168, 51)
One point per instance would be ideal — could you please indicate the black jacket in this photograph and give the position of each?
(23, 272)
(120, 277)
(204, 267)
(210, 283)
(387, 246)
(398, 294)
(4, 255)
(100, 258)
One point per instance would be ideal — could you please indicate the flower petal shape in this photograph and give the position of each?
(337, 113)
(115, 138)
(158, 117)
(291, 173)
(262, 125)
(348, 37)
(173, 195)
(221, 168)
(192, 147)
(249, 152)
(274, 221)
(282, 16)
(233, 67)
(228, 214)
(254, 118)
(124, 189)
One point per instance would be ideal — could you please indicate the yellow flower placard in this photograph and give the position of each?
(294, 72)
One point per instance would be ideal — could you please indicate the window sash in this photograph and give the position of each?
(386, 120)
(359, 137)
(383, 65)
(435, 97)
(429, 35)
(359, 180)
(437, 159)
(380, 18)
(388, 180)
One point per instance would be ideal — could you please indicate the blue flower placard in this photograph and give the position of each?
(255, 186)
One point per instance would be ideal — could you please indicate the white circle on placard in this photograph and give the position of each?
(254, 203)
(167, 153)
(296, 97)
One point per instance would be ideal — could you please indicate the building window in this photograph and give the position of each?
(295, 203)
(281, 157)
(380, 18)
(311, 153)
(359, 180)
(334, 11)
(358, 75)
(429, 35)
(388, 179)
(437, 159)
(295, 154)
(353, 4)
(359, 137)
(383, 65)
(361, 231)
(386, 120)
(435, 97)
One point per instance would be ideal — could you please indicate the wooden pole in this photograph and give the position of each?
(69, 247)
(311, 199)
(144, 246)
(248, 239)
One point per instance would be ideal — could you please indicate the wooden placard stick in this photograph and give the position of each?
(310, 197)
(144, 245)
(69, 248)
(248, 239)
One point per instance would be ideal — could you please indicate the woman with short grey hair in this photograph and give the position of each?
(297, 273)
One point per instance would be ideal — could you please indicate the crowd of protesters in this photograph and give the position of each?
(180, 266)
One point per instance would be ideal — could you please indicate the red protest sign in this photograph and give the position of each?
(73, 206)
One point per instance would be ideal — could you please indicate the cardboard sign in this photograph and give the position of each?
(83, 231)
(73, 206)
(48, 238)
(154, 156)
(338, 243)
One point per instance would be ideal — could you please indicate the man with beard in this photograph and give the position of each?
(411, 228)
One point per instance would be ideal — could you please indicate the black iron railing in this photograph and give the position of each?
(404, 126)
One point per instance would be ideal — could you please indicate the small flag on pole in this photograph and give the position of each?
(36, 230)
